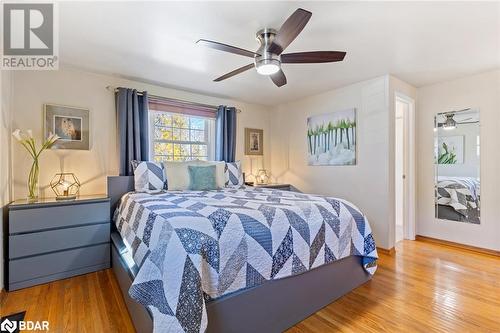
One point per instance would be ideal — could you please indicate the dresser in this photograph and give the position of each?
(50, 240)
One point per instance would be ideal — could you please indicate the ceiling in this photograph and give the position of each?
(418, 42)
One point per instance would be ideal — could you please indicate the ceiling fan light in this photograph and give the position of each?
(268, 66)
(450, 123)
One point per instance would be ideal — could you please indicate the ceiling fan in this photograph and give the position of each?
(450, 123)
(268, 57)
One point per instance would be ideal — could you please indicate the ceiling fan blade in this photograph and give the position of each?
(279, 78)
(290, 30)
(312, 57)
(235, 72)
(227, 48)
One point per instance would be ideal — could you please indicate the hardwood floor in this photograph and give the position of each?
(424, 287)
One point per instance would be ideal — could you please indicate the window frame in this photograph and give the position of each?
(209, 134)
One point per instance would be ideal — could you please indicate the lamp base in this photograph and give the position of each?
(66, 197)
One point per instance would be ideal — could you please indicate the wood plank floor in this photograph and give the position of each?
(423, 288)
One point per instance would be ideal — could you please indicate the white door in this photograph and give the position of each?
(404, 190)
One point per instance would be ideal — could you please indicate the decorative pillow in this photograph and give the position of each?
(234, 175)
(149, 177)
(202, 178)
(178, 174)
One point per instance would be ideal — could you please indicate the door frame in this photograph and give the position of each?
(409, 204)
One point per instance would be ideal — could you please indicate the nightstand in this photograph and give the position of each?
(276, 186)
(50, 240)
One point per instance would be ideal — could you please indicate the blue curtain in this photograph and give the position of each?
(225, 134)
(132, 127)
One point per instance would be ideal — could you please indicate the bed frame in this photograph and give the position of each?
(272, 306)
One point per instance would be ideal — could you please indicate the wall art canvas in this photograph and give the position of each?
(254, 141)
(450, 149)
(71, 124)
(331, 138)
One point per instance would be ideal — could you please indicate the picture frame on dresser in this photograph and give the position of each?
(50, 240)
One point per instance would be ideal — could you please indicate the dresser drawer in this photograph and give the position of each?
(55, 240)
(58, 262)
(34, 219)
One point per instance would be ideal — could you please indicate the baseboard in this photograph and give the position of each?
(457, 245)
(388, 252)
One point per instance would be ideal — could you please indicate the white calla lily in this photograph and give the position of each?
(17, 134)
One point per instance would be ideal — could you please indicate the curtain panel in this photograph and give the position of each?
(225, 134)
(132, 128)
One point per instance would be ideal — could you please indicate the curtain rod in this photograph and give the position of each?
(110, 88)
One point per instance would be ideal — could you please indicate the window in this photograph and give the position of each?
(181, 137)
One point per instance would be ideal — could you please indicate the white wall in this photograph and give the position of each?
(5, 144)
(480, 91)
(470, 167)
(88, 90)
(365, 184)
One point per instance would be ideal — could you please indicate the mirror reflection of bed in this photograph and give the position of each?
(457, 156)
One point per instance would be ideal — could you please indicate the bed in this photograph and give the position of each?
(179, 263)
(458, 199)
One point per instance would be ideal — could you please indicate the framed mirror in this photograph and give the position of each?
(457, 166)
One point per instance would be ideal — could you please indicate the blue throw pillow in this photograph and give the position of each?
(202, 178)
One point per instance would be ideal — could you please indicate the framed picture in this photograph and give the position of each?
(450, 149)
(331, 138)
(71, 124)
(254, 141)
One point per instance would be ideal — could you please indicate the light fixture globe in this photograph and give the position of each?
(267, 66)
(262, 177)
(65, 185)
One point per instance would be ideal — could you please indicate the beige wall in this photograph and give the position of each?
(480, 91)
(5, 144)
(88, 90)
(365, 184)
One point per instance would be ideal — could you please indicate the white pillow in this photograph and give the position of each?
(178, 174)
(220, 167)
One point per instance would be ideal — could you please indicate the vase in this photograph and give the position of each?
(33, 188)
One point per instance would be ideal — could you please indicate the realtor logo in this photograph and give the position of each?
(8, 326)
(29, 36)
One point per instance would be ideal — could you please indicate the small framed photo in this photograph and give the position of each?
(254, 141)
(71, 124)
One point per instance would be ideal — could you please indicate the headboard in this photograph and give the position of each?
(117, 187)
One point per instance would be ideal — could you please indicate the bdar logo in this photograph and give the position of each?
(8, 326)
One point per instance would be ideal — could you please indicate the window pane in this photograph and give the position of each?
(178, 137)
(180, 121)
(199, 150)
(198, 123)
(163, 119)
(163, 133)
(184, 135)
(197, 136)
(164, 149)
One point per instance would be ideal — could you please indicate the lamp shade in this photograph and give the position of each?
(262, 177)
(65, 185)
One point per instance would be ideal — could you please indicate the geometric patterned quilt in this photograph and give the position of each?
(461, 193)
(195, 246)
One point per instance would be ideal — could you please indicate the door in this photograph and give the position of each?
(404, 169)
